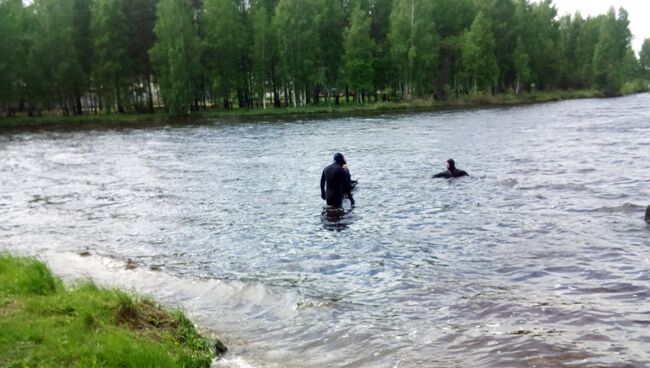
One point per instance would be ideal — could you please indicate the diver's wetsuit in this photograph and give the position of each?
(334, 184)
(452, 172)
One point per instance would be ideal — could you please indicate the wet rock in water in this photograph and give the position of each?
(647, 215)
(219, 348)
(131, 264)
(155, 267)
(85, 253)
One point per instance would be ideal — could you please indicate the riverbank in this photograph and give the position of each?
(53, 120)
(45, 324)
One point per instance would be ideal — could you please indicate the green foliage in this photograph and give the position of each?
(296, 23)
(634, 86)
(384, 72)
(414, 44)
(10, 13)
(478, 55)
(82, 18)
(501, 16)
(225, 44)
(452, 17)
(141, 19)
(82, 56)
(540, 32)
(644, 58)
(358, 53)
(53, 59)
(110, 41)
(264, 51)
(175, 54)
(45, 325)
(522, 62)
(612, 53)
(331, 22)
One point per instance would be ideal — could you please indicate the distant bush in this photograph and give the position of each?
(634, 86)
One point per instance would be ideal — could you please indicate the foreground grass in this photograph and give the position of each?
(160, 118)
(43, 324)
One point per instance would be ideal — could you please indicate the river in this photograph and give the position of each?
(540, 258)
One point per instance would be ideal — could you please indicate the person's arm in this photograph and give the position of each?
(348, 187)
(322, 185)
(444, 175)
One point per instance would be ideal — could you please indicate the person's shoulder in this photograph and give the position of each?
(340, 170)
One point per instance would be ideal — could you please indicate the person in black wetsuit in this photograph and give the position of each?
(335, 183)
(451, 172)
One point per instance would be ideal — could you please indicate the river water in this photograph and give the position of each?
(540, 258)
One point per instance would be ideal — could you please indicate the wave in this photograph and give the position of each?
(566, 186)
(624, 208)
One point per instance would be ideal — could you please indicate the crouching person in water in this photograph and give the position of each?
(335, 183)
(451, 172)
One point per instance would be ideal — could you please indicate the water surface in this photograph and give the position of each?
(539, 258)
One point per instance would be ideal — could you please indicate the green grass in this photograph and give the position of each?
(54, 120)
(43, 324)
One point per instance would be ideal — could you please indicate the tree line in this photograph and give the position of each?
(126, 56)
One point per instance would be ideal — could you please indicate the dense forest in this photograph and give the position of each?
(126, 56)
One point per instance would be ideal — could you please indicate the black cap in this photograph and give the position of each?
(338, 158)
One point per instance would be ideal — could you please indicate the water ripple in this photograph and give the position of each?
(539, 259)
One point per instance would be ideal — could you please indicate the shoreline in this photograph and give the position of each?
(102, 325)
(53, 121)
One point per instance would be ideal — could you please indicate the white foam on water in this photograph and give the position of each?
(231, 362)
(204, 300)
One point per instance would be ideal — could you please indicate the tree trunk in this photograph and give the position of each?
(204, 100)
(118, 100)
(517, 87)
(316, 95)
(78, 108)
(276, 95)
(285, 96)
(263, 99)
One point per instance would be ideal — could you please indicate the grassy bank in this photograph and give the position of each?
(43, 324)
(131, 120)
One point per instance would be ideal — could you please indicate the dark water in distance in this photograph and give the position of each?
(540, 258)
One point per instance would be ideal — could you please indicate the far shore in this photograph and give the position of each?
(54, 120)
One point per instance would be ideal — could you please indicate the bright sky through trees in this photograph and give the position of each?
(638, 9)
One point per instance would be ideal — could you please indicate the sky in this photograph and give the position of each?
(639, 14)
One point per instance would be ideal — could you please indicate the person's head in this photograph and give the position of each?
(339, 159)
(451, 164)
(647, 215)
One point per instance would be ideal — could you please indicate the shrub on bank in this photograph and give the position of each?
(634, 86)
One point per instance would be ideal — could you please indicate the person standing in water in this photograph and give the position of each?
(451, 172)
(335, 183)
